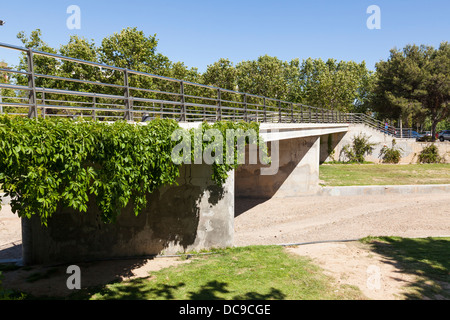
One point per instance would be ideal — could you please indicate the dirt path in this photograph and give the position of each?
(304, 219)
(353, 263)
(281, 221)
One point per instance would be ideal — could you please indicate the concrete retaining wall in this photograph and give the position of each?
(331, 148)
(298, 171)
(196, 214)
(381, 190)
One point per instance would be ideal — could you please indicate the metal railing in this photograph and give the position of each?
(119, 93)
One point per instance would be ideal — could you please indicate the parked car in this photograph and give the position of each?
(412, 134)
(444, 135)
(424, 136)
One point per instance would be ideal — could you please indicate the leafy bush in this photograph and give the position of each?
(46, 163)
(430, 154)
(392, 154)
(358, 149)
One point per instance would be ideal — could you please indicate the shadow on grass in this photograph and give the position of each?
(213, 290)
(428, 259)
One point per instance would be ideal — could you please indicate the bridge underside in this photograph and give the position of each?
(195, 215)
(295, 153)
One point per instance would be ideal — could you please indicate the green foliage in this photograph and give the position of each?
(414, 81)
(343, 85)
(221, 74)
(265, 76)
(430, 154)
(46, 163)
(392, 154)
(358, 149)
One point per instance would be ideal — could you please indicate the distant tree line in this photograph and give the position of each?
(412, 86)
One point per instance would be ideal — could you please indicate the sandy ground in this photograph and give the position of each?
(304, 219)
(279, 221)
(353, 263)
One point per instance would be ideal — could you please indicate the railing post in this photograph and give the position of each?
(94, 105)
(219, 105)
(128, 104)
(43, 102)
(32, 113)
(279, 111)
(265, 110)
(245, 108)
(292, 112)
(183, 106)
(310, 115)
(301, 113)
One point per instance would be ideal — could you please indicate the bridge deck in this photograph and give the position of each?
(282, 131)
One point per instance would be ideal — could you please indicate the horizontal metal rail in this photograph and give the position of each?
(115, 95)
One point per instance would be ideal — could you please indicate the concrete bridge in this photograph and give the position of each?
(195, 214)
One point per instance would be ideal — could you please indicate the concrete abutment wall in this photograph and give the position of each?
(195, 214)
(297, 174)
(331, 145)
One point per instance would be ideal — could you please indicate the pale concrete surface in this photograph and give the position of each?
(410, 147)
(297, 161)
(195, 214)
(385, 189)
(318, 218)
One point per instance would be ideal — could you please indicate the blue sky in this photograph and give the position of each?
(199, 32)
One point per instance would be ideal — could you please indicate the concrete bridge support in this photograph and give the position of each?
(297, 161)
(196, 214)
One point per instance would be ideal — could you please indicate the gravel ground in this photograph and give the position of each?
(318, 218)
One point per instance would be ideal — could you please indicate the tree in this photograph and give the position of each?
(263, 77)
(414, 81)
(82, 49)
(42, 64)
(341, 86)
(132, 49)
(221, 74)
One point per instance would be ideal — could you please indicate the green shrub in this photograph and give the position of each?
(46, 163)
(392, 154)
(430, 154)
(358, 149)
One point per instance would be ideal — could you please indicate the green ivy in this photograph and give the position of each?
(47, 163)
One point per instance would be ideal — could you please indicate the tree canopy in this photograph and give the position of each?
(414, 83)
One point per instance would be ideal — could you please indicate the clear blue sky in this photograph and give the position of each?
(199, 32)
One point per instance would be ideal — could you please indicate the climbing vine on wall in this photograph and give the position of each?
(47, 163)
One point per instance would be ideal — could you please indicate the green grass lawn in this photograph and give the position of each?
(428, 259)
(383, 174)
(270, 272)
(255, 272)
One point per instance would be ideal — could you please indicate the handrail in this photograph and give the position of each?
(175, 99)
